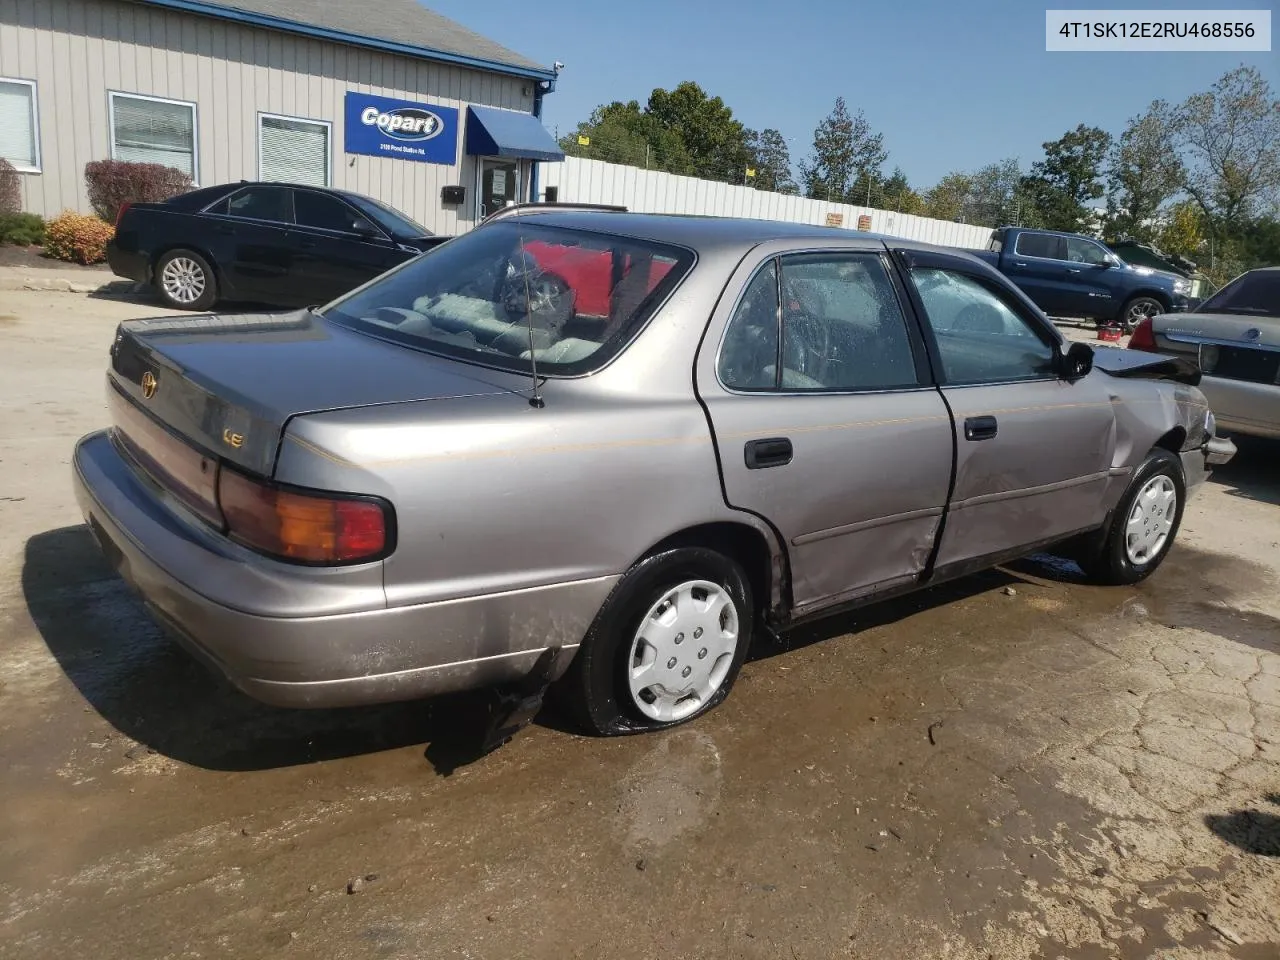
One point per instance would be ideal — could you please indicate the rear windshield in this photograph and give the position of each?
(513, 293)
(1254, 294)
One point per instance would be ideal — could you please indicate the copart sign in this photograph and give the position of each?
(401, 129)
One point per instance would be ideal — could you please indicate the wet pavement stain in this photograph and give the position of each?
(941, 775)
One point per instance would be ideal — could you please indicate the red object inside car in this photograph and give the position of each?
(589, 273)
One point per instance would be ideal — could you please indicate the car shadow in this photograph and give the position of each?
(1251, 474)
(1252, 831)
(144, 294)
(884, 612)
(152, 691)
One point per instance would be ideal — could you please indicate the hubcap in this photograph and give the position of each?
(683, 650)
(183, 280)
(1151, 520)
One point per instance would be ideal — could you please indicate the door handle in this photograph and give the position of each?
(1073, 269)
(980, 428)
(773, 452)
(1019, 263)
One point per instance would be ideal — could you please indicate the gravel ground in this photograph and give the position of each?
(1016, 765)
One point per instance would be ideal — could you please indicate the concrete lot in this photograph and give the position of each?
(1012, 766)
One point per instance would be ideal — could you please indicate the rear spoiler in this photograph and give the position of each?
(518, 208)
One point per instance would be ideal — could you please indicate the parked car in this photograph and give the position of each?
(1072, 276)
(382, 499)
(273, 243)
(1234, 336)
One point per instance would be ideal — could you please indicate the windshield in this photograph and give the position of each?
(390, 219)
(512, 293)
(1255, 294)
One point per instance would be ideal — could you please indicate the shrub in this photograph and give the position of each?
(113, 183)
(23, 229)
(77, 237)
(10, 188)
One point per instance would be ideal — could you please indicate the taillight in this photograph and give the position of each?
(120, 214)
(302, 527)
(1143, 337)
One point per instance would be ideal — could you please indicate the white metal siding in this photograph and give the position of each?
(78, 50)
(650, 191)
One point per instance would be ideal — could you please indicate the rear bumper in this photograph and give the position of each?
(128, 264)
(194, 582)
(1240, 406)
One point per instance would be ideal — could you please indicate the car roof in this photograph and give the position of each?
(704, 233)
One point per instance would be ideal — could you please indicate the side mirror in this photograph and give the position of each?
(364, 228)
(1103, 264)
(1076, 362)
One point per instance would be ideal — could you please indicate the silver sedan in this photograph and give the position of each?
(1235, 338)
(606, 450)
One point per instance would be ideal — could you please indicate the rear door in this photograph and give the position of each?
(253, 225)
(1033, 451)
(1037, 264)
(825, 419)
(335, 248)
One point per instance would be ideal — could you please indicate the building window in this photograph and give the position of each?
(152, 130)
(291, 150)
(19, 129)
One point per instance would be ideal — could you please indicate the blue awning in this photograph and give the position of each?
(505, 133)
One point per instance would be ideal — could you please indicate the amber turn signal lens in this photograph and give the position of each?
(309, 528)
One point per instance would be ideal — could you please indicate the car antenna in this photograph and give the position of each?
(536, 400)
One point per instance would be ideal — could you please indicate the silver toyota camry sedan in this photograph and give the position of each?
(606, 449)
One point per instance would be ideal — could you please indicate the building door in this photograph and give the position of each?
(499, 184)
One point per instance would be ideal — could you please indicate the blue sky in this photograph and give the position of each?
(952, 84)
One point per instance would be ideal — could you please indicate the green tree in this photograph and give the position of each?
(715, 141)
(1145, 173)
(1181, 231)
(947, 200)
(1062, 184)
(846, 154)
(771, 160)
(896, 194)
(623, 133)
(997, 197)
(1230, 136)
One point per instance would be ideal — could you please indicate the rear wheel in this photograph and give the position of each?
(666, 646)
(185, 280)
(1139, 309)
(1144, 524)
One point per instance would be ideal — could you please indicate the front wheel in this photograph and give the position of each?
(1144, 524)
(666, 646)
(1139, 309)
(185, 280)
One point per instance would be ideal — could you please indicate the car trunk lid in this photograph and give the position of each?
(227, 385)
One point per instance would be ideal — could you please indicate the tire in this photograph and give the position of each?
(185, 281)
(598, 689)
(1136, 309)
(1112, 559)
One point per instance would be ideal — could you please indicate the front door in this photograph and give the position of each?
(1033, 451)
(825, 419)
(499, 184)
(1087, 292)
(336, 248)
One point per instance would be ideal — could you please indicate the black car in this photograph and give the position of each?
(276, 243)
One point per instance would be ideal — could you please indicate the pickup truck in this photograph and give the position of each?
(1073, 276)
